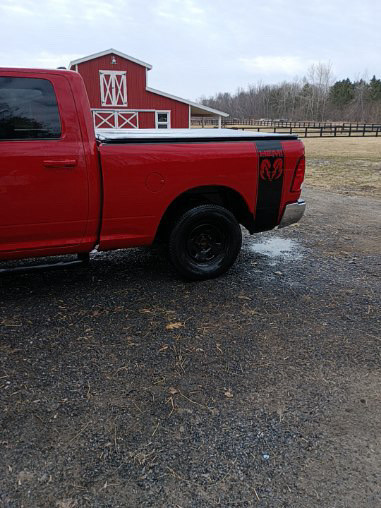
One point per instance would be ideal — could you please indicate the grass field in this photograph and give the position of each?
(350, 165)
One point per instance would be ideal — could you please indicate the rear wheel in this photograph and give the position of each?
(205, 242)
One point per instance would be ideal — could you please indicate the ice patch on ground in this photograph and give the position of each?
(278, 249)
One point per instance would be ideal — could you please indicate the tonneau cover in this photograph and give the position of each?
(121, 136)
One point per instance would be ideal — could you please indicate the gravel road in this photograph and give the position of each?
(123, 386)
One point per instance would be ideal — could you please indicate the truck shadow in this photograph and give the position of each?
(106, 272)
(116, 267)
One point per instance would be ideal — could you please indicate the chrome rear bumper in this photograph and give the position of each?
(292, 213)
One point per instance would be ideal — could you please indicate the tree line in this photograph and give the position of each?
(317, 97)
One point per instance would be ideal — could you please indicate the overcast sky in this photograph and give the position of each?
(198, 47)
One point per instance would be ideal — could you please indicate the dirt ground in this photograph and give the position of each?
(123, 386)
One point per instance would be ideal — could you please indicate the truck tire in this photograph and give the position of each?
(204, 242)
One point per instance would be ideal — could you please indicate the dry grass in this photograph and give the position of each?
(350, 165)
(358, 148)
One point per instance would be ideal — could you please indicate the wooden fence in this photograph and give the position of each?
(287, 123)
(321, 132)
(305, 129)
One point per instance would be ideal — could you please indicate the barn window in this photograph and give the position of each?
(163, 119)
(113, 88)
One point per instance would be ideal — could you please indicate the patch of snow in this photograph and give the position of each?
(277, 248)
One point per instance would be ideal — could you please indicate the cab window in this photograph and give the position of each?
(28, 109)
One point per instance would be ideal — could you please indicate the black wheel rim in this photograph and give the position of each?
(206, 242)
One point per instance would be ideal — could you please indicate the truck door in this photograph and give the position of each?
(43, 178)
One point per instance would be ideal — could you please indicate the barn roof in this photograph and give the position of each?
(197, 109)
(110, 51)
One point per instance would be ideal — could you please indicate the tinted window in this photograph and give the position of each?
(28, 109)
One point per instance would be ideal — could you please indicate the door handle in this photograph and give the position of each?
(67, 163)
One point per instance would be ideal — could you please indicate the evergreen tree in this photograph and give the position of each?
(342, 92)
(375, 89)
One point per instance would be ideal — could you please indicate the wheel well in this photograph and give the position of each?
(216, 195)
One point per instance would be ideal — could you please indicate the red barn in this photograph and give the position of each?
(120, 98)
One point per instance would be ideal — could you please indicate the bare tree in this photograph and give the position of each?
(314, 97)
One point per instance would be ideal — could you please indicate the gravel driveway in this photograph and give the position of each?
(122, 386)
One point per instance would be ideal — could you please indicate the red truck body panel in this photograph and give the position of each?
(294, 152)
(156, 174)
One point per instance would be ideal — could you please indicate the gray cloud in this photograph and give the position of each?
(198, 46)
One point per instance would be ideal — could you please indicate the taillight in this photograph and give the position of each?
(299, 175)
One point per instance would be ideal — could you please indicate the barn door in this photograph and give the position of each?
(113, 88)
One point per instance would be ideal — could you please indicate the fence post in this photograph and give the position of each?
(363, 130)
(350, 129)
(321, 132)
(305, 131)
(335, 131)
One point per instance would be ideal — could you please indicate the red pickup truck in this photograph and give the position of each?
(65, 189)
